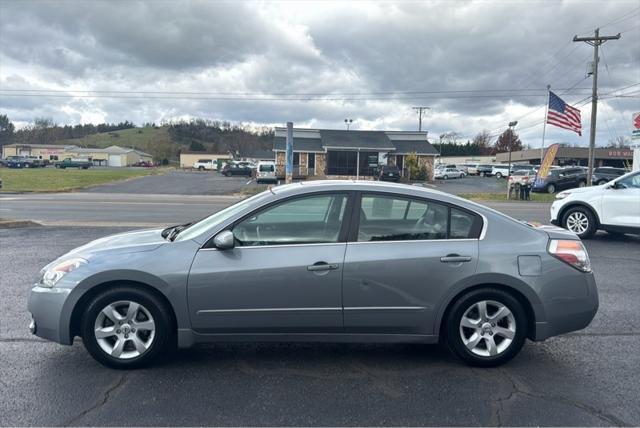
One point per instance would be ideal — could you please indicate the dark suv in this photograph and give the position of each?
(560, 179)
(389, 173)
(240, 168)
(605, 174)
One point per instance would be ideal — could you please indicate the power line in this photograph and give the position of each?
(256, 94)
(190, 97)
(631, 13)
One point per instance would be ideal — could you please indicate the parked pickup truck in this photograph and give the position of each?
(73, 163)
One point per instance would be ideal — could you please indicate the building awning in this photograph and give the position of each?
(373, 141)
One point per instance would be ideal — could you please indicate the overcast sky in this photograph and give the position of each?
(368, 61)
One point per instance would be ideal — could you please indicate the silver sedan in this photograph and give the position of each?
(322, 261)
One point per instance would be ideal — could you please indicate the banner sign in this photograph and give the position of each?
(635, 134)
(547, 161)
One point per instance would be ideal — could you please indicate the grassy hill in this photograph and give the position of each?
(155, 141)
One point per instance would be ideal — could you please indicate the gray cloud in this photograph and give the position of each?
(327, 48)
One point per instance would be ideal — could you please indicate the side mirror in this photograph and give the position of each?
(224, 240)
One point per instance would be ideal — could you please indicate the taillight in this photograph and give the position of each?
(571, 252)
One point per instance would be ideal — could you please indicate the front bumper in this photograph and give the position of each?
(571, 310)
(49, 317)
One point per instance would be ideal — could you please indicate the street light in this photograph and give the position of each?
(348, 122)
(511, 126)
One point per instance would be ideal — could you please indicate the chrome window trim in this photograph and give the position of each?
(250, 247)
(413, 240)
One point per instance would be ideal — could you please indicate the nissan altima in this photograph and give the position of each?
(327, 261)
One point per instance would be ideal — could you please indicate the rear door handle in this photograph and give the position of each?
(320, 266)
(455, 258)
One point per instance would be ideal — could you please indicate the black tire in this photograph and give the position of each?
(445, 177)
(582, 183)
(452, 329)
(601, 182)
(200, 168)
(592, 223)
(164, 336)
(498, 175)
(483, 174)
(551, 188)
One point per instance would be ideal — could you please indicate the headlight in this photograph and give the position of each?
(55, 273)
(562, 195)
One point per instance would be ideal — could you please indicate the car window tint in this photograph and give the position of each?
(387, 218)
(304, 220)
(461, 224)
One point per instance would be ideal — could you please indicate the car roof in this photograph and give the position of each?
(360, 185)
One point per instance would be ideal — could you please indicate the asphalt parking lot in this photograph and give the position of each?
(585, 378)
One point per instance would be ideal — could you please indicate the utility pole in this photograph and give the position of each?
(420, 110)
(594, 41)
(348, 122)
(511, 126)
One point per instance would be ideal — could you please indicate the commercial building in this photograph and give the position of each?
(115, 156)
(573, 156)
(187, 159)
(350, 154)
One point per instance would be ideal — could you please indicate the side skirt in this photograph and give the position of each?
(187, 338)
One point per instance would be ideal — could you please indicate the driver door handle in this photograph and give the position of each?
(455, 258)
(320, 266)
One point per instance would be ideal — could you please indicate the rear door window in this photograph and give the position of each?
(391, 218)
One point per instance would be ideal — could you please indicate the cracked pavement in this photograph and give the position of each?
(587, 378)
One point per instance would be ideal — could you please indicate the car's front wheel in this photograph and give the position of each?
(126, 328)
(551, 188)
(498, 175)
(486, 327)
(581, 221)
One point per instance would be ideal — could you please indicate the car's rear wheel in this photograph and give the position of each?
(498, 175)
(582, 183)
(551, 188)
(601, 182)
(126, 328)
(445, 177)
(581, 221)
(482, 174)
(201, 168)
(486, 327)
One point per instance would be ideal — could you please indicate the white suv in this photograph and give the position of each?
(202, 164)
(614, 207)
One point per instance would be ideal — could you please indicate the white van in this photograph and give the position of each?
(266, 172)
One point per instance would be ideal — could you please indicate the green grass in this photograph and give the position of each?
(535, 197)
(60, 180)
(253, 190)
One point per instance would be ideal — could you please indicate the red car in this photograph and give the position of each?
(144, 164)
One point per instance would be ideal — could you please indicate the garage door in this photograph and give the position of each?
(115, 160)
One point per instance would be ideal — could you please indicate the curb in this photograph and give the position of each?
(15, 224)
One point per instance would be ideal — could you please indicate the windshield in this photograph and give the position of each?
(207, 223)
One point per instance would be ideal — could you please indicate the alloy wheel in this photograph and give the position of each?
(577, 222)
(124, 329)
(487, 328)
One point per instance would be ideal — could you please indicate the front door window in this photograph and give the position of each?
(306, 220)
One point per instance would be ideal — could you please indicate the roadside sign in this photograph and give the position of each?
(549, 156)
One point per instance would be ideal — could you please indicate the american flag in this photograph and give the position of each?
(563, 115)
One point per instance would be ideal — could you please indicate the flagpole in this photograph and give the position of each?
(544, 126)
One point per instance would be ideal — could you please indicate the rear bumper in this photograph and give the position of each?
(566, 312)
